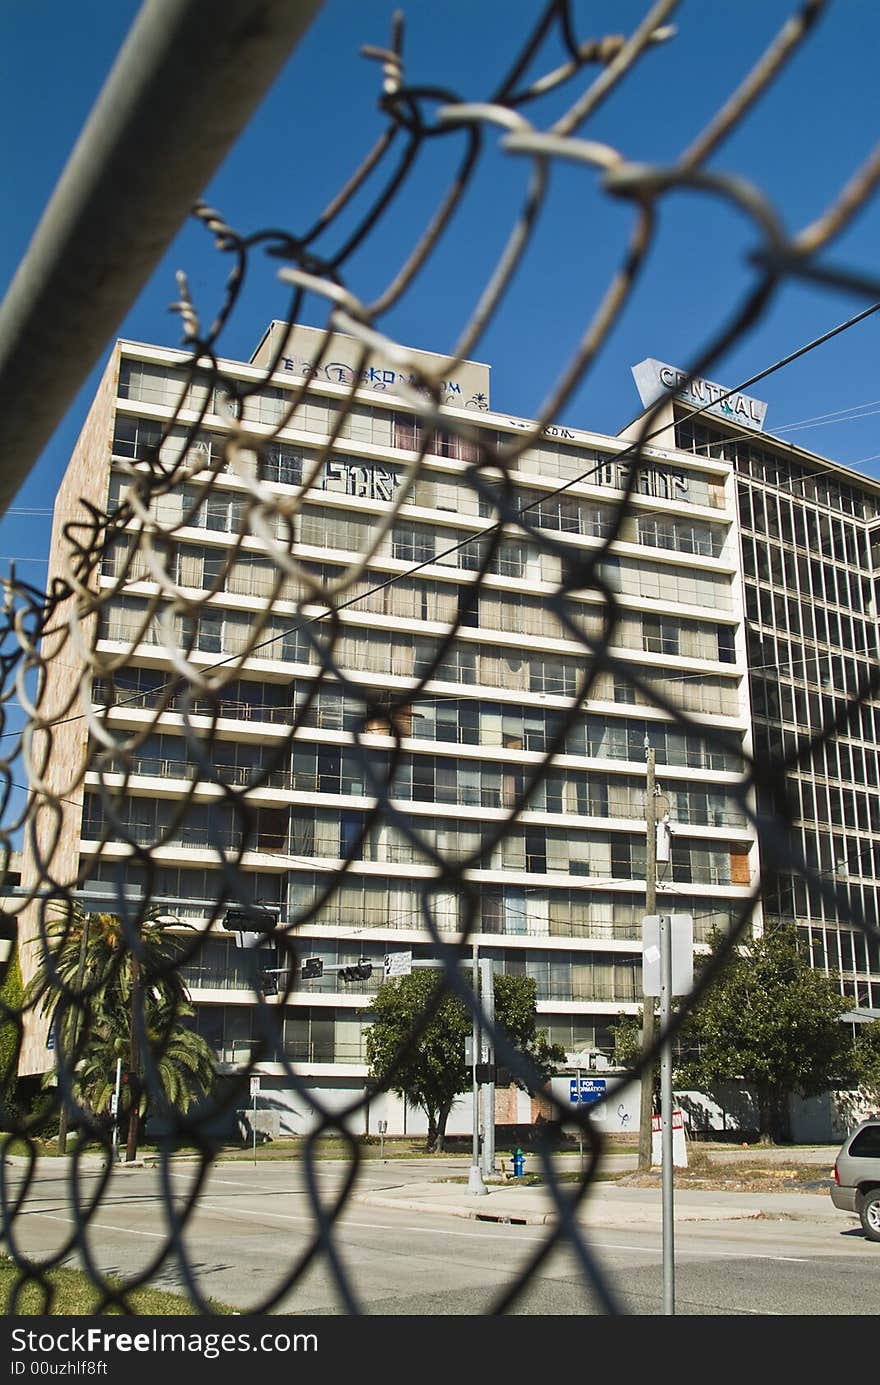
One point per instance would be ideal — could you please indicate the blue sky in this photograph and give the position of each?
(799, 145)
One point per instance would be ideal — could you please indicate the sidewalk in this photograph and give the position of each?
(605, 1204)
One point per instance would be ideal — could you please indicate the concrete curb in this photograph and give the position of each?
(602, 1211)
(444, 1209)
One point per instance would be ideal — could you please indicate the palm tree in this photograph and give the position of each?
(108, 1003)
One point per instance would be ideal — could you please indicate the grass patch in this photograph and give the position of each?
(14, 1144)
(752, 1171)
(74, 1294)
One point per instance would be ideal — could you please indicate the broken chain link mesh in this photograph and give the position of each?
(132, 541)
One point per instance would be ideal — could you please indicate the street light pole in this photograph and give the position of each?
(649, 1026)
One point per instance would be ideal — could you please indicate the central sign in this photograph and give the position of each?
(655, 379)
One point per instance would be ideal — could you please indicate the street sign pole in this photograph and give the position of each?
(487, 1003)
(666, 1116)
(667, 970)
(255, 1087)
(475, 1179)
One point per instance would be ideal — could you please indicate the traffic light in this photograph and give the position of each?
(252, 920)
(362, 972)
(311, 968)
(268, 983)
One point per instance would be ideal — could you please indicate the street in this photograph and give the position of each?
(253, 1225)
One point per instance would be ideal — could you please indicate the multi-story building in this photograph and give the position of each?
(810, 536)
(283, 782)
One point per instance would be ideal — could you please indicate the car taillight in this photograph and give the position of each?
(836, 1174)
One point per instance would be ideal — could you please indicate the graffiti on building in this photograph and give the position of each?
(381, 378)
(367, 479)
(551, 430)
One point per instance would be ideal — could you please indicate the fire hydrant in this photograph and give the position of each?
(518, 1163)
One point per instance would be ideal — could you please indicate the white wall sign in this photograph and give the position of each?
(397, 964)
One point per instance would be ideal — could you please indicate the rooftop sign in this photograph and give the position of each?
(655, 379)
(308, 354)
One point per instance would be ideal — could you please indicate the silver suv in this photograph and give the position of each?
(856, 1186)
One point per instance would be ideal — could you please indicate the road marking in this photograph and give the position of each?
(230, 1215)
(101, 1226)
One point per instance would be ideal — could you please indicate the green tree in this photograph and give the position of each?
(11, 1000)
(89, 956)
(432, 1072)
(772, 1021)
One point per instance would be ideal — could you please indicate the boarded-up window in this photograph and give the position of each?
(739, 868)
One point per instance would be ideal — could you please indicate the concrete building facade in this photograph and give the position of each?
(560, 894)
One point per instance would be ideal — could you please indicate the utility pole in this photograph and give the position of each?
(649, 1027)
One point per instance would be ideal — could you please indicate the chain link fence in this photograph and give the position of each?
(124, 580)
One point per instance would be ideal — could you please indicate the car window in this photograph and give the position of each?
(866, 1144)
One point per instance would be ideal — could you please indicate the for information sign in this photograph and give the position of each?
(592, 1089)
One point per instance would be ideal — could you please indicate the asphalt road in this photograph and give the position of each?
(252, 1225)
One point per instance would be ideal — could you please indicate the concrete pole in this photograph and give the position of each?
(487, 997)
(475, 1179)
(185, 84)
(649, 1027)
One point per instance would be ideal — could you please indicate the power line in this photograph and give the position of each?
(819, 418)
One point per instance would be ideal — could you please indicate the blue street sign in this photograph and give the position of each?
(592, 1090)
